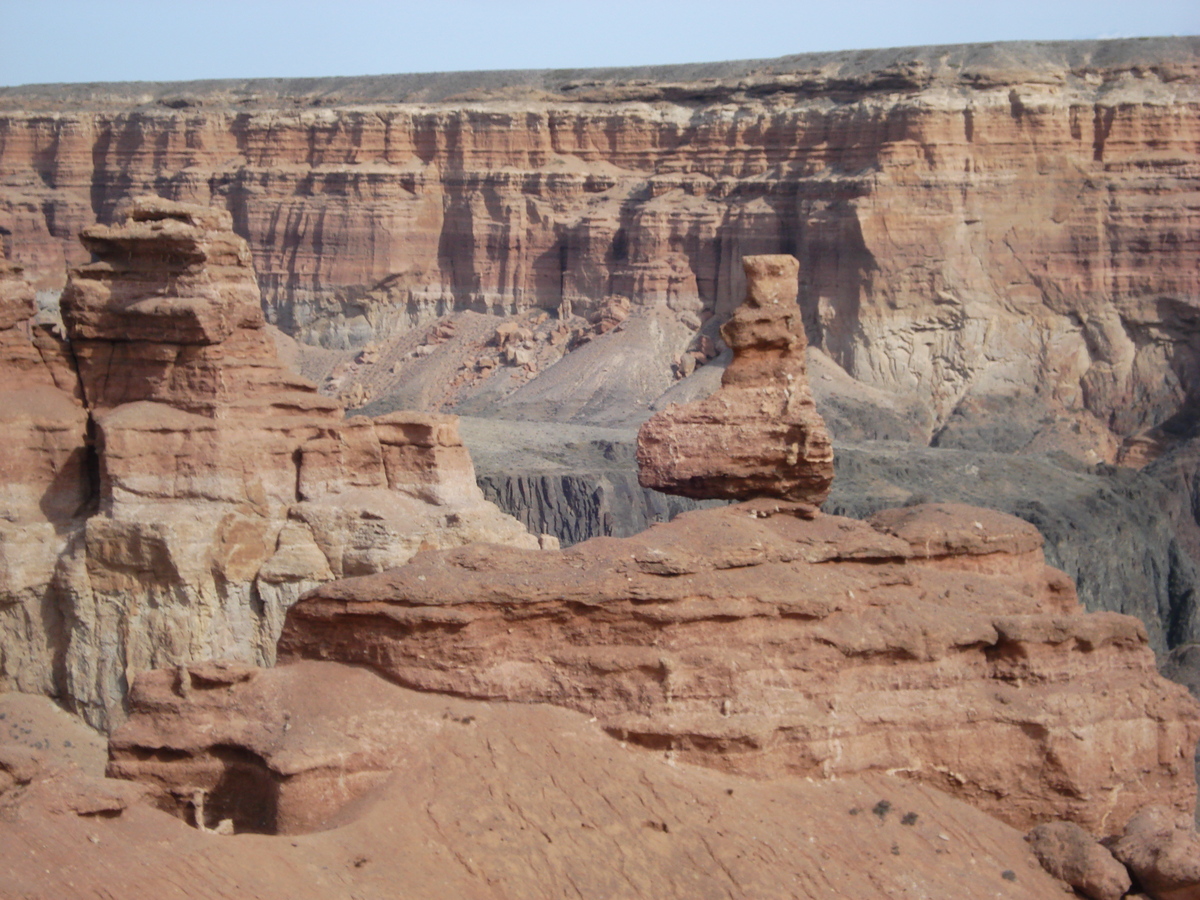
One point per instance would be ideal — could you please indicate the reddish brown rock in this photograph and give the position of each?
(759, 435)
(372, 785)
(933, 644)
(218, 485)
(1162, 850)
(989, 229)
(1070, 853)
(45, 481)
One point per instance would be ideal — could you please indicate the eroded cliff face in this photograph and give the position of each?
(980, 228)
(173, 488)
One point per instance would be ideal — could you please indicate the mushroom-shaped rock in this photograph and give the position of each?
(760, 434)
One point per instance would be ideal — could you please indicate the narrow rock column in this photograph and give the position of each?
(760, 434)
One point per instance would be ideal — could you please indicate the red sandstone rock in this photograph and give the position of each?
(936, 645)
(1070, 853)
(226, 485)
(1162, 850)
(995, 233)
(44, 481)
(759, 435)
(374, 786)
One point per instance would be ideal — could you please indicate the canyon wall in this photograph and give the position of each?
(997, 227)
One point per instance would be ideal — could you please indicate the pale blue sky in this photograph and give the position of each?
(161, 40)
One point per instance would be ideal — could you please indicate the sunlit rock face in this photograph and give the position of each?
(170, 502)
(999, 228)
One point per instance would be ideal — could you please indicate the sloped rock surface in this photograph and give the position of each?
(752, 640)
(378, 789)
(759, 435)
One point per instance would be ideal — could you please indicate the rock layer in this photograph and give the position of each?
(759, 435)
(224, 485)
(981, 228)
(477, 800)
(758, 642)
(46, 481)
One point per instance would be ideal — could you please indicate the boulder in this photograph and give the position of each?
(1068, 852)
(1162, 850)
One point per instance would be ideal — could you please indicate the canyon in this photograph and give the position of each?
(680, 713)
(998, 248)
(979, 228)
(834, 316)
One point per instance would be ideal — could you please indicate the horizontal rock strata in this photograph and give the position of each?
(46, 480)
(453, 798)
(218, 485)
(932, 642)
(982, 228)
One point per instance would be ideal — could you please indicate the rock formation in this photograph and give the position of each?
(1001, 227)
(759, 434)
(225, 485)
(1162, 850)
(46, 481)
(446, 797)
(770, 644)
(766, 638)
(1070, 853)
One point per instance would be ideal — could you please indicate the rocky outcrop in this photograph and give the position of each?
(1001, 227)
(769, 644)
(1070, 853)
(224, 484)
(767, 638)
(46, 481)
(759, 435)
(474, 800)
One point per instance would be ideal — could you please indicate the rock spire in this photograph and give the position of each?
(760, 434)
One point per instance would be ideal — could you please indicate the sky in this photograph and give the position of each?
(45, 41)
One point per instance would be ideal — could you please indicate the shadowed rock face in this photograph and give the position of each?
(759, 435)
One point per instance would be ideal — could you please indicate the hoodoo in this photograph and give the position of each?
(759, 435)
(220, 486)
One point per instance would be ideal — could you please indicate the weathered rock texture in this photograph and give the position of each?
(46, 482)
(770, 644)
(759, 435)
(225, 485)
(1003, 227)
(1070, 853)
(442, 797)
(1162, 849)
